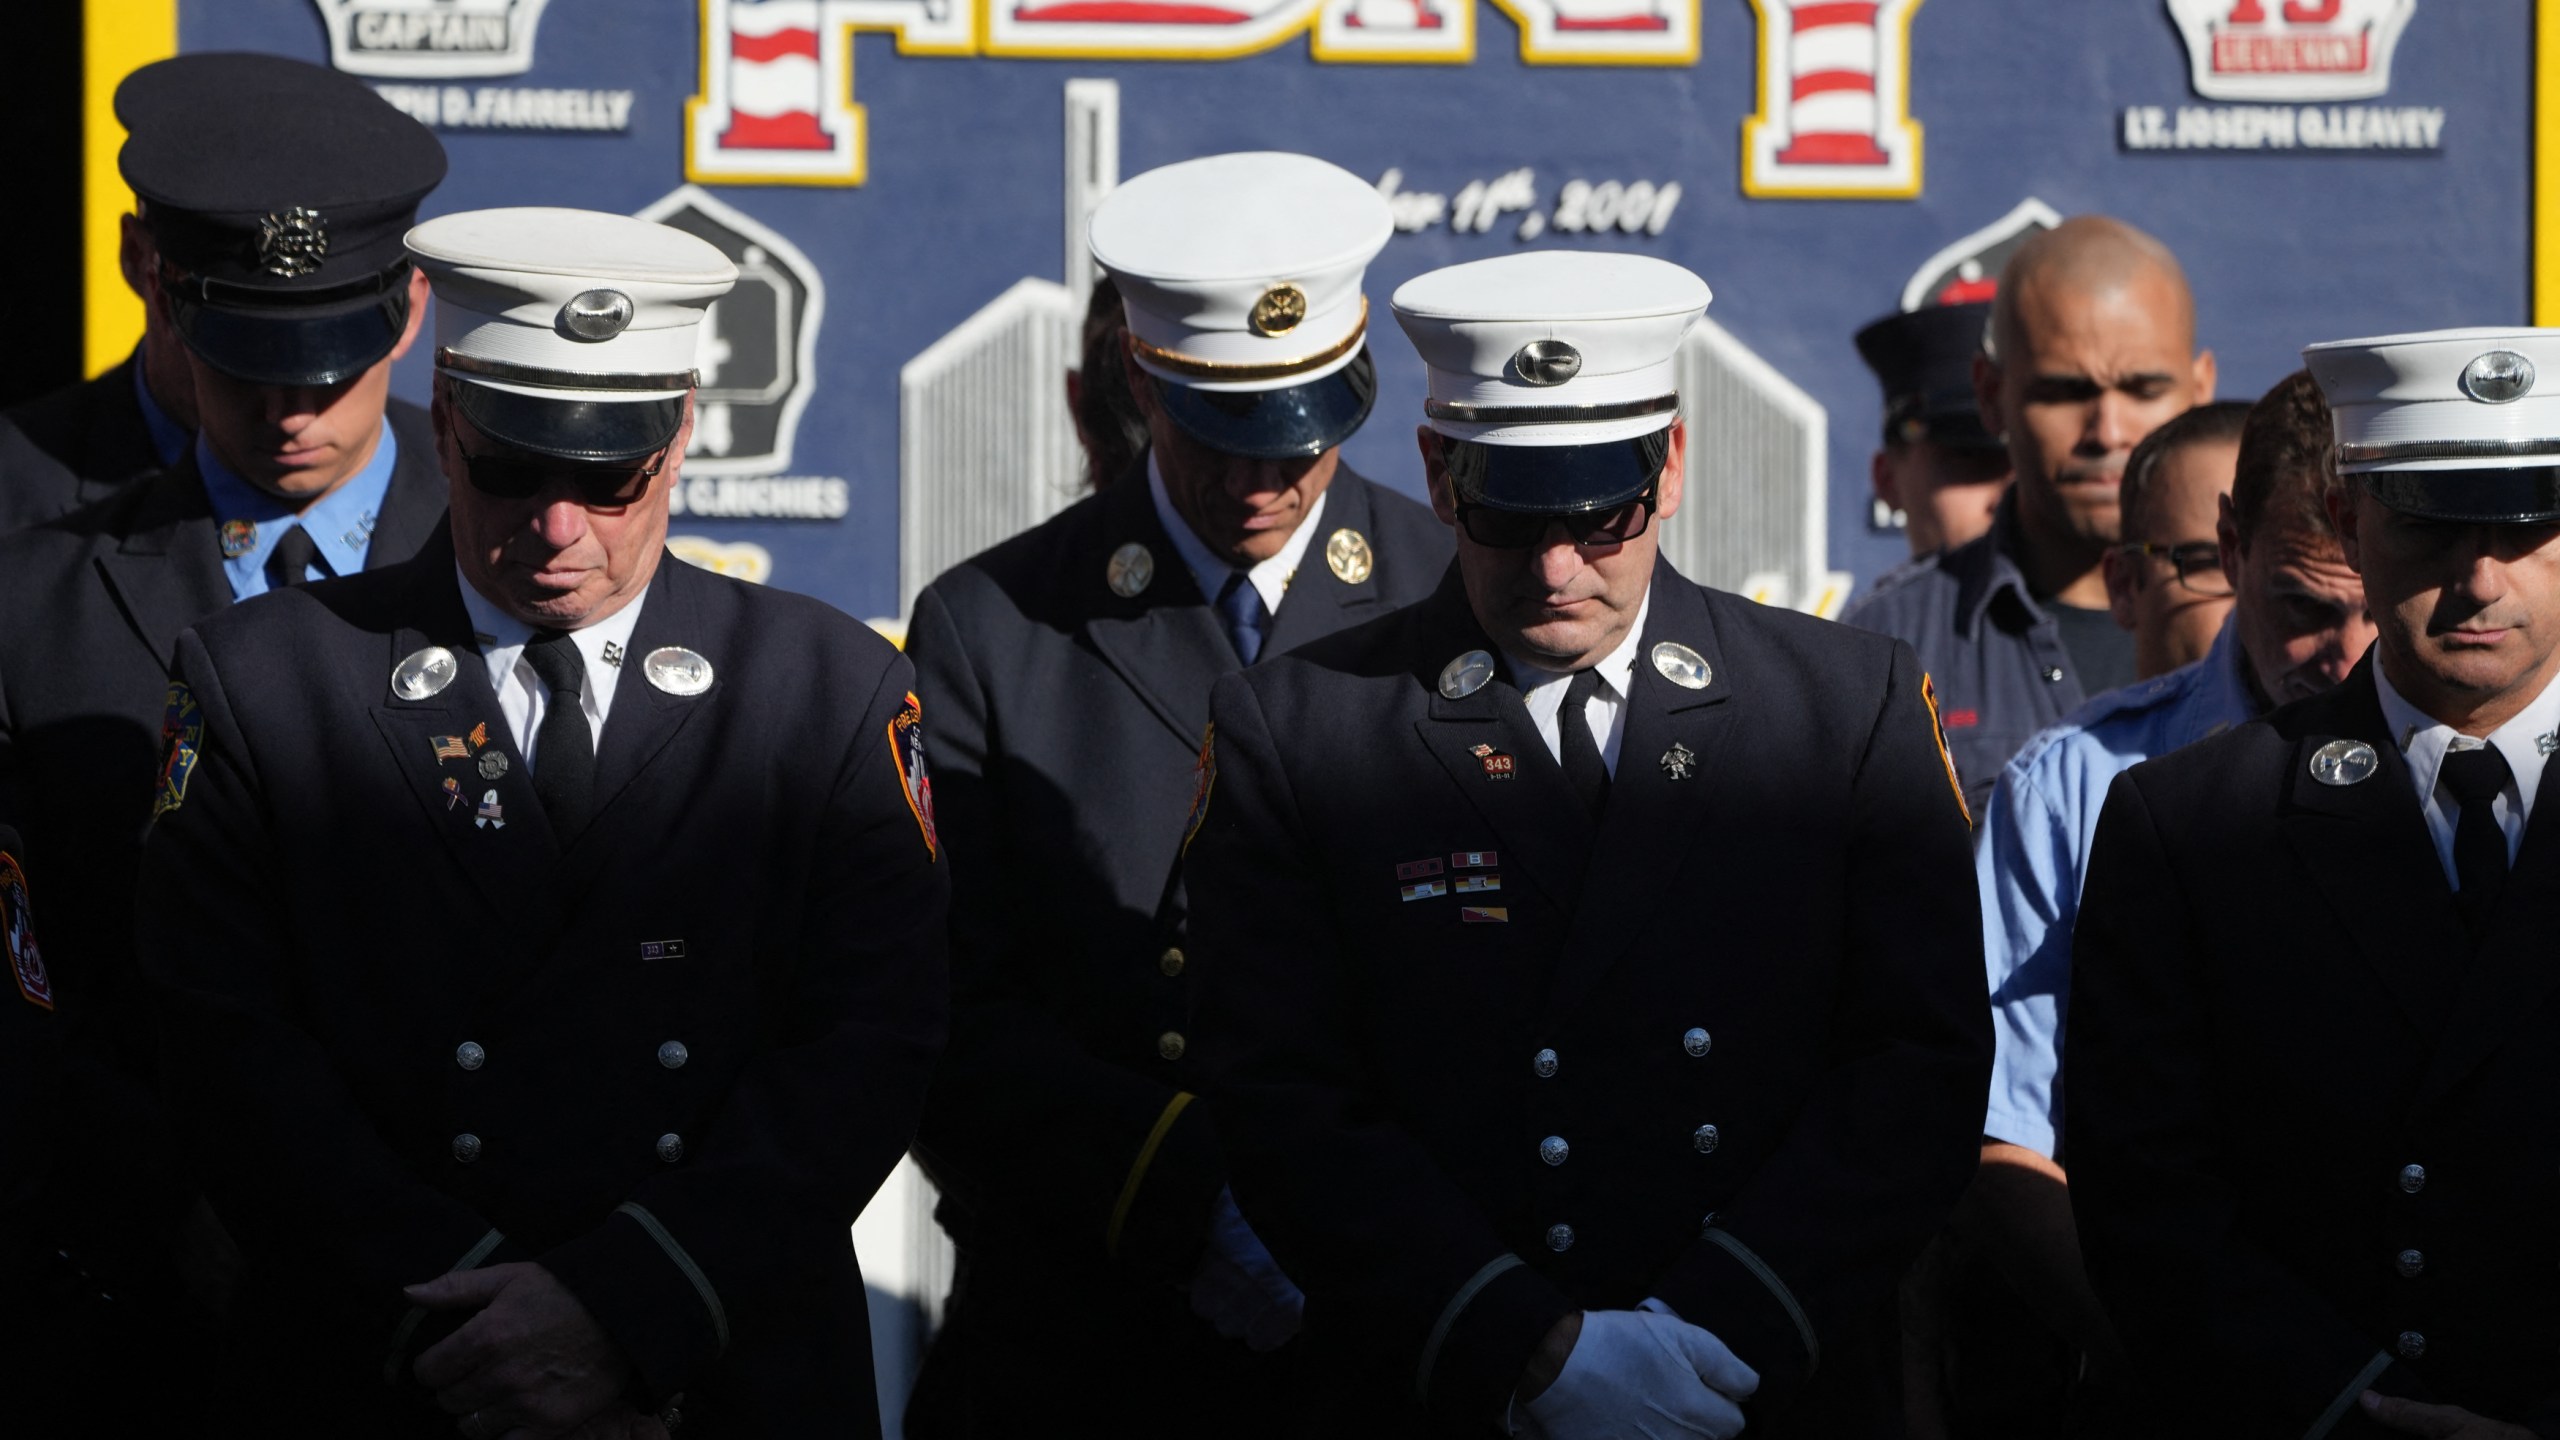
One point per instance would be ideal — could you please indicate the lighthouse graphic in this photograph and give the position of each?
(1835, 106)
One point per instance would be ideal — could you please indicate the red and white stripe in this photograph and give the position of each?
(1833, 49)
(777, 88)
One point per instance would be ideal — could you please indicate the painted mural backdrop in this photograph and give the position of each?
(886, 173)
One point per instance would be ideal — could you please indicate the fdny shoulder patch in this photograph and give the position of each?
(181, 738)
(1204, 778)
(906, 751)
(18, 930)
(1938, 732)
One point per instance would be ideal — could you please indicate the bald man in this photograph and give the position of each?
(2093, 348)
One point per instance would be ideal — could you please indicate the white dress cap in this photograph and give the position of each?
(2478, 399)
(1551, 347)
(569, 304)
(1242, 272)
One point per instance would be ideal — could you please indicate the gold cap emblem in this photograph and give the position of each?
(292, 243)
(1346, 554)
(1280, 310)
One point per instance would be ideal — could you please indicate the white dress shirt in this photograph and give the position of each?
(2424, 742)
(1543, 691)
(1210, 570)
(522, 697)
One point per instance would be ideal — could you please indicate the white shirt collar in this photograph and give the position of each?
(2424, 740)
(502, 638)
(1617, 669)
(1209, 571)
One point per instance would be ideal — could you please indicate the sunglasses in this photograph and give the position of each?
(520, 477)
(1523, 529)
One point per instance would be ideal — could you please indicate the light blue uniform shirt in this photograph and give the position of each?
(2032, 857)
(340, 522)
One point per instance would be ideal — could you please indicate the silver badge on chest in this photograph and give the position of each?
(2344, 762)
(1131, 571)
(677, 671)
(1466, 675)
(1683, 666)
(423, 674)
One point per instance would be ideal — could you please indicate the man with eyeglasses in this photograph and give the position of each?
(274, 194)
(2092, 348)
(550, 1108)
(2165, 584)
(2314, 1100)
(1068, 672)
(1589, 984)
(2297, 623)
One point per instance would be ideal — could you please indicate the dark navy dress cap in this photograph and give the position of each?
(1924, 360)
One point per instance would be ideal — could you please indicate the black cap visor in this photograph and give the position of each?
(1953, 421)
(2526, 495)
(1300, 421)
(1555, 479)
(596, 432)
(293, 344)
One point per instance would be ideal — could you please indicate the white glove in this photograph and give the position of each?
(1638, 1375)
(1239, 1288)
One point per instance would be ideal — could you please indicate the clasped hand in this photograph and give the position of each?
(532, 1364)
(1637, 1375)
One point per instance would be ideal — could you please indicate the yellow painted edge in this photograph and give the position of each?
(117, 37)
(1138, 1171)
(2546, 163)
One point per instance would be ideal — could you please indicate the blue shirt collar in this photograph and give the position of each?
(169, 439)
(248, 521)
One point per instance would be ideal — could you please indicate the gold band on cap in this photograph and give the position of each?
(448, 359)
(2447, 450)
(1198, 369)
(1459, 412)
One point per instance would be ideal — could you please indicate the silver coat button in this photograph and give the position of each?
(1559, 1238)
(2411, 1264)
(469, 1055)
(1696, 1041)
(2413, 1178)
(1553, 1150)
(2053, 674)
(1544, 1062)
(2412, 1345)
(1170, 1045)
(466, 1147)
(671, 1148)
(673, 1054)
(1706, 1138)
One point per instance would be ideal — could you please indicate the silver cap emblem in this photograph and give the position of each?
(596, 315)
(2344, 762)
(1466, 675)
(1547, 362)
(1683, 666)
(1131, 571)
(423, 674)
(677, 671)
(292, 243)
(2497, 377)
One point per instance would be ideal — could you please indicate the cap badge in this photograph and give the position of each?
(1547, 362)
(2497, 377)
(1466, 675)
(595, 315)
(677, 671)
(291, 243)
(2343, 762)
(1131, 571)
(1683, 666)
(1280, 310)
(423, 674)
(1346, 553)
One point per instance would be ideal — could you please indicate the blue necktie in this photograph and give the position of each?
(1240, 610)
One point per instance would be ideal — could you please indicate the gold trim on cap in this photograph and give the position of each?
(1459, 412)
(1198, 369)
(447, 359)
(2447, 450)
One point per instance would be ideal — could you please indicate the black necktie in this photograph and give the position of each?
(289, 564)
(2474, 778)
(564, 752)
(1240, 610)
(1583, 768)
